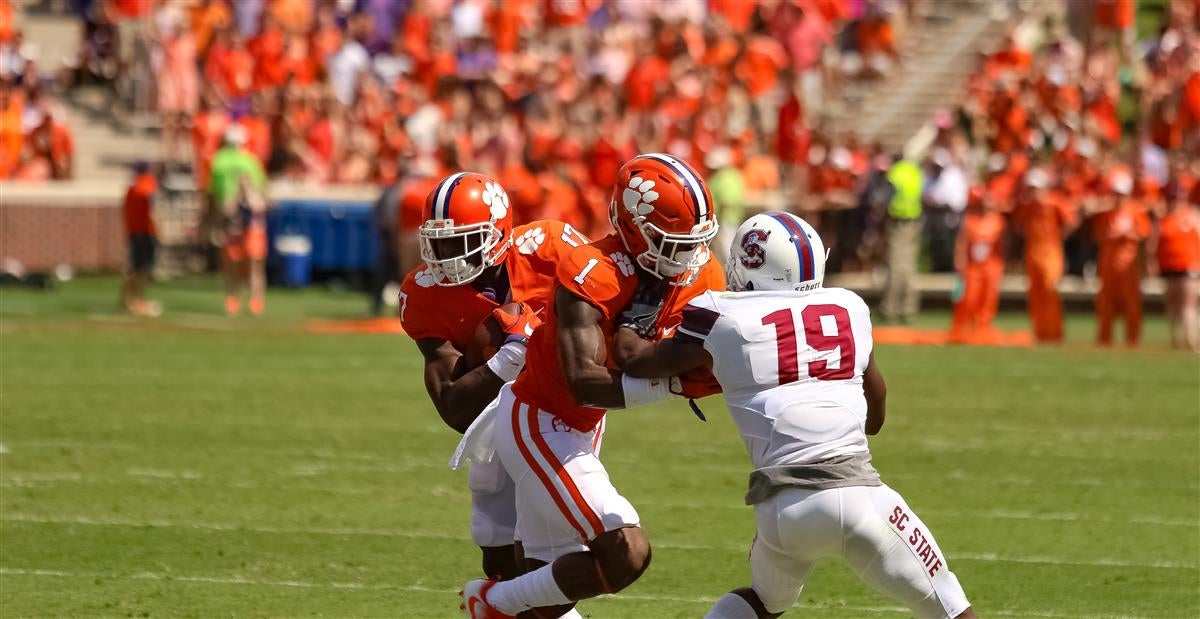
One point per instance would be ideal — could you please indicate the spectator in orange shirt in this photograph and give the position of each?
(326, 37)
(267, 49)
(6, 21)
(1045, 219)
(12, 141)
(258, 131)
(294, 16)
(207, 18)
(140, 232)
(1178, 255)
(52, 151)
(178, 86)
(979, 260)
(876, 45)
(296, 64)
(208, 125)
(230, 65)
(1119, 232)
(760, 172)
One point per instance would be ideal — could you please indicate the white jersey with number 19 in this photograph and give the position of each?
(791, 366)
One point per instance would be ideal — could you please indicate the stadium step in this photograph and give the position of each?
(934, 64)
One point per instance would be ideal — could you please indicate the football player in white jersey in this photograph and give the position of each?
(794, 359)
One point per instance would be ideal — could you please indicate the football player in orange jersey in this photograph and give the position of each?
(979, 259)
(474, 263)
(577, 530)
(1119, 232)
(1045, 218)
(1177, 249)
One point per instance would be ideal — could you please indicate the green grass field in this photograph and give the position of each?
(195, 466)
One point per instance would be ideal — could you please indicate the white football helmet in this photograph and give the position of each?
(776, 251)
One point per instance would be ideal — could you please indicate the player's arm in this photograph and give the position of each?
(875, 390)
(582, 353)
(458, 395)
(663, 359)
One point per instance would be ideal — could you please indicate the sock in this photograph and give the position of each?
(572, 614)
(537, 588)
(233, 304)
(256, 305)
(731, 606)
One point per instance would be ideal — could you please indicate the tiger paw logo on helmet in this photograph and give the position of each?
(754, 252)
(496, 200)
(639, 197)
(530, 241)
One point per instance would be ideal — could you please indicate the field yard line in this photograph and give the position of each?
(633, 597)
(741, 548)
(171, 478)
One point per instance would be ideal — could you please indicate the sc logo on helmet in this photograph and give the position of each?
(754, 253)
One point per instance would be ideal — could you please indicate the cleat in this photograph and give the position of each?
(474, 601)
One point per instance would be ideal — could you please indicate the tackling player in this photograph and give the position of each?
(572, 521)
(475, 262)
(795, 362)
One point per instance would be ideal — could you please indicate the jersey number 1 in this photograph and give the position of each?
(842, 339)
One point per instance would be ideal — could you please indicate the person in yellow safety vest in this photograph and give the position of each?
(901, 299)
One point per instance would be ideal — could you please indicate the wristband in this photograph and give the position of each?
(508, 361)
(642, 391)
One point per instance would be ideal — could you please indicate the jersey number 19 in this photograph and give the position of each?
(842, 340)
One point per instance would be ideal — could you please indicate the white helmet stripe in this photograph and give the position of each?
(695, 186)
(441, 201)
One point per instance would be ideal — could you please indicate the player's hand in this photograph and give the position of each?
(695, 388)
(518, 326)
(642, 313)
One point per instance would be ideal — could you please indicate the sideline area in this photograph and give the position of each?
(196, 303)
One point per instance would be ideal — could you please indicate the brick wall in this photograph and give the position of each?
(43, 236)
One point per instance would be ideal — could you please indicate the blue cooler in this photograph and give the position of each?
(295, 252)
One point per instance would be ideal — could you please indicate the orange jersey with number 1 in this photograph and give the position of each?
(452, 313)
(604, 275)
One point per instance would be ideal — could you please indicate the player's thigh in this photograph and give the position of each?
(794, 529)
(493, 504)
(775, 576)
(892, 550)
(565, 497)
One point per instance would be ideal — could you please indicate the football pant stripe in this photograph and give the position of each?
(597, 438)
(537, 468)
(564, 477)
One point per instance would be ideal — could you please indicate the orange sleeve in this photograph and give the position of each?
(418, 307)
(596, 278)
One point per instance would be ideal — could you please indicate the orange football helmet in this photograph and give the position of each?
(663, 212)
(467, 227)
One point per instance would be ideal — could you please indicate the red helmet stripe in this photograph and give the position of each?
(804, 253)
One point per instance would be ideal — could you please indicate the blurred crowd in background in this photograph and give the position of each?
(551, 96)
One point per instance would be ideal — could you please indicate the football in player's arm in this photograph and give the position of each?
(460, 393)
